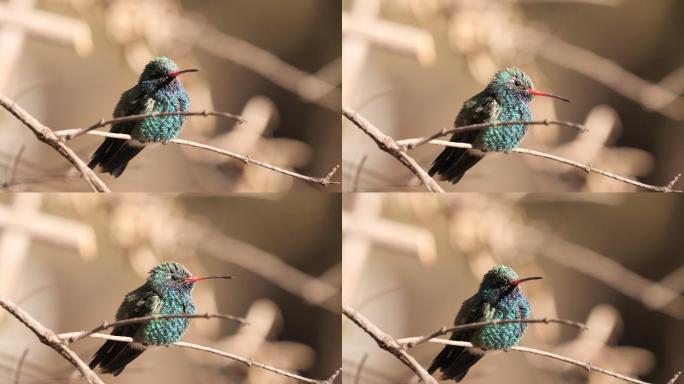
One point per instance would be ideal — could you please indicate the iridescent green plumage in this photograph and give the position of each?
(167, 291)
(158, 90)
(505, 98)
(498, 298)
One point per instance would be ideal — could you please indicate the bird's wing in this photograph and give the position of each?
(113, 356)
(452, 163)
(113, 154)
(454, 361)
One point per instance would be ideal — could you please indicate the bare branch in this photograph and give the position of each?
(143, 319)
(388, 145)
(586, 167)
(246, 361)
(388, 343)
(68, 134)
(324, 181)
(47, 136)
(49, 338)
(398, 347)
(411, 342)
(588, 366)
(59, 343)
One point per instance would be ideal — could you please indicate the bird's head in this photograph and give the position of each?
(161, 72)
(500, 282)
(174, 276)
(514, 83)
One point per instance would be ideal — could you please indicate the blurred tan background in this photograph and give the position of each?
(68, 61)
(69, 259)
(611, 261)
(410, 64)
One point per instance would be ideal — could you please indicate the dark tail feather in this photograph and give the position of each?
(453, 163)
(113, 155)
(113, 356)
(454, 362)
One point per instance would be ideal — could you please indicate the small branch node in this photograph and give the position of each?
(675, 377)
(670, 186)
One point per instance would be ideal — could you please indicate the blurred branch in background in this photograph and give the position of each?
(310, 289)
(307, 86)
(18, 18)
(22, 223)
(589, 262)
(362, 29)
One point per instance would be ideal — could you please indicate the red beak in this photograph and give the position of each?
(194, 279)
(516, 282)
(176, 73)
(534, 92)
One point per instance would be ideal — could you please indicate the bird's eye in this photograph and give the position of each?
(517, 83)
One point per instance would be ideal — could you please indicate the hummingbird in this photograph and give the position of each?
(167, 291)
(506, 98)
(498, 298)
(158, 90)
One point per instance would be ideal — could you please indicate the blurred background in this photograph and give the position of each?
(276, 63)
(611, 261)
(410, 64)
(69, 260)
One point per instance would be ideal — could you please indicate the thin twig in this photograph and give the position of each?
(359, 369)
(47, 136)
(144, 319)
(388, 343)
(20, 365)
(387, 144)
(585, 167)
(14, 167)
(357, 176)
(411, 342)
(590, 169)
(324, 181)
(412, 143)
(68, 134)
(49, 338)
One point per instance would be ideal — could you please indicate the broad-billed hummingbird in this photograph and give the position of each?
(506, 98)
(158, 90)
(167, 291)
(499, 298)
